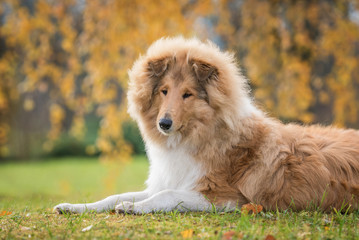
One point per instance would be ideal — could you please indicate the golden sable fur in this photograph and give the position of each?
(244, 155)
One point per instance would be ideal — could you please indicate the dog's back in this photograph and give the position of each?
(314, 167)
(328, 160)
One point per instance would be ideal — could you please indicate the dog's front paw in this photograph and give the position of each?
(125, 207)
(63, 208)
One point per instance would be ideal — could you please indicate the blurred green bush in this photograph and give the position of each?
(68, 145)
(133, 137)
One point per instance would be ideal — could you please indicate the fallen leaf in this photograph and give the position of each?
(269, 237)
(303, 234)
(327, 221)
(228, 235)
(22, 228)
(187, 233)
(203, 235)
(251, 208)
(5, 213)
(87, 228)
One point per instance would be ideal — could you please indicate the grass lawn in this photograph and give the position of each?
(28, 191)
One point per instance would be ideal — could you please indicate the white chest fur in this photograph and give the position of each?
(172, 168)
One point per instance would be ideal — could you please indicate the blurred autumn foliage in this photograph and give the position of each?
(63, 64)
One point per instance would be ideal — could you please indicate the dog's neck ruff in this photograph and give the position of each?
(172, 168)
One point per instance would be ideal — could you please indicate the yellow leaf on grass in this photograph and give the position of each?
(269, 237)
(5, 213)
(228, 235)
(251, 207)
(187, 233)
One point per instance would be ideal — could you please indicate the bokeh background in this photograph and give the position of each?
(63, 66)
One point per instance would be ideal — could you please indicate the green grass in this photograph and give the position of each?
(67, 179)
(30, 190)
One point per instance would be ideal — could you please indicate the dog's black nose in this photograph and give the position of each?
(165, 123)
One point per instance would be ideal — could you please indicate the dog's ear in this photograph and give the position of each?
(204, 71)
(158, 67)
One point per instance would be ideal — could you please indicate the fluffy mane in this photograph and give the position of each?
(229, 97)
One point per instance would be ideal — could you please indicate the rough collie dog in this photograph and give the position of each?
(209, 145)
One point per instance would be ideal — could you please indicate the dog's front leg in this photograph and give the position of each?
(166, 201)
(106, 204)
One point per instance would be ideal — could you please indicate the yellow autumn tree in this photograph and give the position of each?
(76, 54)
(66, 60)
(301, 57)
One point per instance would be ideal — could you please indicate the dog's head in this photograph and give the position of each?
(184, 88)
(179, 92)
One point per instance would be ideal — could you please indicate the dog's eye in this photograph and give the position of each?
(186, 95)
(164, 92)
